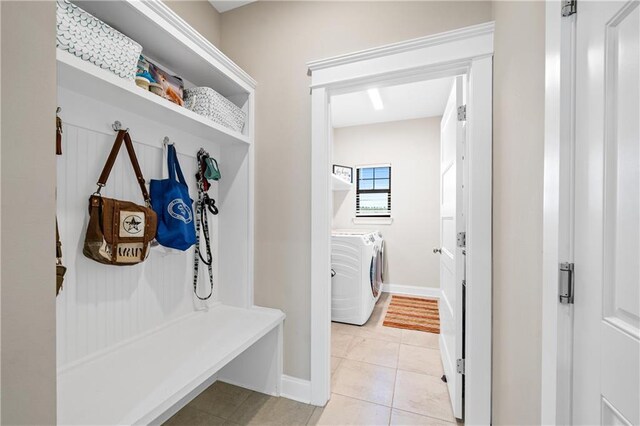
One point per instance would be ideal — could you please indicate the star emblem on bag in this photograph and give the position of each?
(132, 224)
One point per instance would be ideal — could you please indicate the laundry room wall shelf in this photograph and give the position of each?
(134, 345)
(339, 184)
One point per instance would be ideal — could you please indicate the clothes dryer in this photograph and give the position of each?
(357, 259)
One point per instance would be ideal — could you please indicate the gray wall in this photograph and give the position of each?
(27, 258)
(413, 149)
(273, 41)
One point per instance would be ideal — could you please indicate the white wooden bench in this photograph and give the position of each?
(147, 380)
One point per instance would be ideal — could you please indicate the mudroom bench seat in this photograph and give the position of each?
(148, 379)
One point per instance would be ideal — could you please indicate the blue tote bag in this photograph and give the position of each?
(171, 202)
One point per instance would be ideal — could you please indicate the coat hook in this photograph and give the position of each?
(166, 141)
(58, 110)
(117, 126)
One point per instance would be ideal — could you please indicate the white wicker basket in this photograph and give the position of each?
(87, 37)
(211, 104)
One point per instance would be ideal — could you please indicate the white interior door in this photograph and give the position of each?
(452, 135)
(606, 362)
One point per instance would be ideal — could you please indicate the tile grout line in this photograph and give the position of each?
(426, 415)
(310, 414)
(191, 407)
(395, 381)
(390, 341)
(240, 406)
(362, 400)
(364, 362)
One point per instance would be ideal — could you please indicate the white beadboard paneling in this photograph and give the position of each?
(102, 305)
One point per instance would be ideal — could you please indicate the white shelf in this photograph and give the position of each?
(89, 80)
(167, 38)
(139, 381)
(339, 184)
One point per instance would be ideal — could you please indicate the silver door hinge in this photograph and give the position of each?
(569, 7)
(462, 239)
(462, 113)
(460, 366)
(566, 283)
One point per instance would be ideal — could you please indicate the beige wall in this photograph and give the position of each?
(517, 210)
(273, 41)
(28, 387)
(201, 15)
(413, 149)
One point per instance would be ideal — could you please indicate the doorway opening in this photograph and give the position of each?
(464, 57)
(398, 202)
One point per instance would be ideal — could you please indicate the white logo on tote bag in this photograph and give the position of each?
(179, 210)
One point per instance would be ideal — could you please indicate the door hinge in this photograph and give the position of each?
(566, 283)
(462, 239)
(462, 113)
(460, 366)
(569, 7)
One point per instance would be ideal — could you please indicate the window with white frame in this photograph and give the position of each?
(373, 191)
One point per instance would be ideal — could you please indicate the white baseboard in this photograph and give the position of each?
(411, 290)
(296, 389)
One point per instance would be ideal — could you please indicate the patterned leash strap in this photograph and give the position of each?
(203, 204)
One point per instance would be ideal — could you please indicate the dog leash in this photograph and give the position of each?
(204, 204)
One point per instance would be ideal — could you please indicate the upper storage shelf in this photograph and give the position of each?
(172, 43)
(86, 78)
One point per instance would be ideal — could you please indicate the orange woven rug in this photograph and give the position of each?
(413, 313)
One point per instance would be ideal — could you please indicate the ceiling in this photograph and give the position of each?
(404, 102)
(224, 6)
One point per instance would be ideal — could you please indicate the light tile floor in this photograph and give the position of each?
(379, 376)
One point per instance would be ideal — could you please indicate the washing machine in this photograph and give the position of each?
(357, 263)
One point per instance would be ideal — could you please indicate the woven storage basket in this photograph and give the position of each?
(87, 37)
(211, 104)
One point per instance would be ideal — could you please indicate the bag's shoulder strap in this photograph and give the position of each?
(123, 135)
(174, 165)
(58, 136)
(58, 246)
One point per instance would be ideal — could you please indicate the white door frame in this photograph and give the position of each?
(465, 51)
(557, 246)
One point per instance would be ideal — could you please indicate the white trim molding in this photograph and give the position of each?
(463, 34)
(296, 389)
(412, 290)
(467, 51)
(221, 60)
(382, 220)
(557, 241)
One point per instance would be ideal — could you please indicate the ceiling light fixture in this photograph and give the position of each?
(376, 100)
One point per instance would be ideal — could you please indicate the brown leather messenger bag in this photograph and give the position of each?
(119, 232)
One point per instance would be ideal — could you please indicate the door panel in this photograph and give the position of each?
(451, 258)
(606, 376)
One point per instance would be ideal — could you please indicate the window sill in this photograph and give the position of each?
(373, 220)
